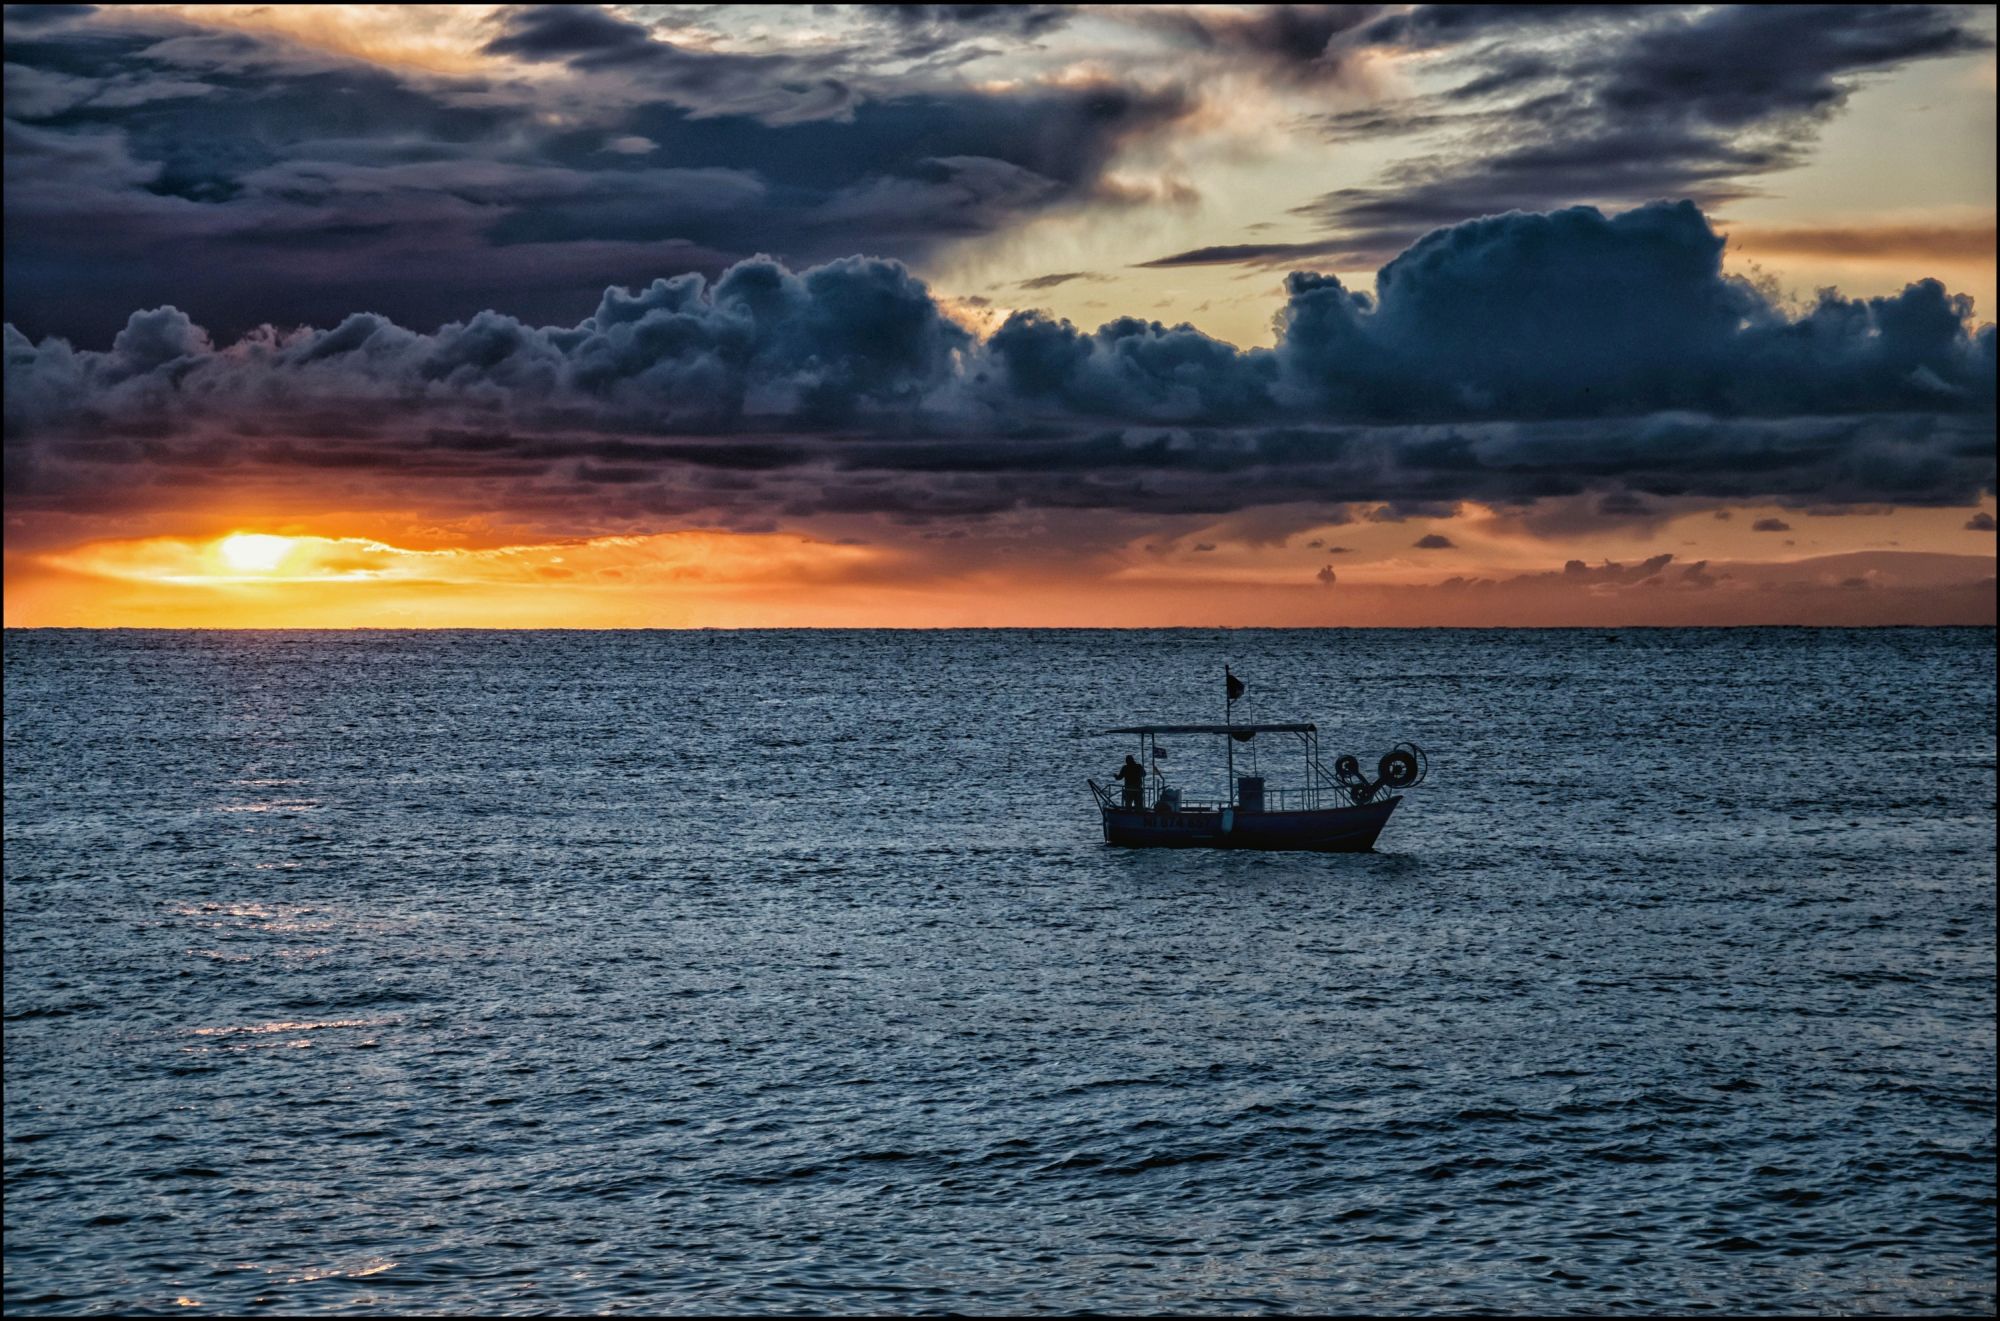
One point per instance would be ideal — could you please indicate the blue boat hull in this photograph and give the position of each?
(1326, 830)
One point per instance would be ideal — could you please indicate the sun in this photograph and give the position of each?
(254, 552)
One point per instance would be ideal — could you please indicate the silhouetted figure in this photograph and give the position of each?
(1134, 777)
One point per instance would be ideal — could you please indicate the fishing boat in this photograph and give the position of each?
(1337, 810)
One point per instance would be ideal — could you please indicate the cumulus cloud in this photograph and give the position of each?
(1509, 360)
(1979, 522)
(1434, 541)
(1770, 525)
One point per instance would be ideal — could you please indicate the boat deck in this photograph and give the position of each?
(1324, 830)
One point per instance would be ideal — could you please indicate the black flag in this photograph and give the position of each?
(1231, 684)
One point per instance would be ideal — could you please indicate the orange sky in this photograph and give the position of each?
(1909, 566)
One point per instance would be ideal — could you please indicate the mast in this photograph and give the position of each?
(1228, 739)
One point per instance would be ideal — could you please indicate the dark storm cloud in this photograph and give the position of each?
(1770, 525)
(1301, 43)
(1980, 522)
(1434, 541)
(245, 179)
(1427, 26)
(1503, 73)
(1601, 360)
(773, 88)
(1127, 368)
(1466, 322)
(569, 32)
(1060, 278)
(29, 17)
(1738, 65)
(1010, 20)
(1254, 254)
(1618, 105)
(923, 31)
(1614, 162)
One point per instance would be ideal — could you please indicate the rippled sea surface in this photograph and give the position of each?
(697, 972)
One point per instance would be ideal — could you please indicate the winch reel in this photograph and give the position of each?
(1402, 767)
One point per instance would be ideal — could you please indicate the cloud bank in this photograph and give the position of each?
(1502, 360)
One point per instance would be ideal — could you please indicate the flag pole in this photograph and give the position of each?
(1229, 738)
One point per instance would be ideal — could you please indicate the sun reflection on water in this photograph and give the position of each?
(260, 1029)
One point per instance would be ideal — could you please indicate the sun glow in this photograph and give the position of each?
(446, 39)
(254, 552)
(252, 579)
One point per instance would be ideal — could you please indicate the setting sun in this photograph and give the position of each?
(254, 552)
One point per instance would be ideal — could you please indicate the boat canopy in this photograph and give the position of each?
(1216, 729)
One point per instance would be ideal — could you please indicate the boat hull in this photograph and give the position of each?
(1326, 830)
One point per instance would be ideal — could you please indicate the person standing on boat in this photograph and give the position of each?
(1134, 777)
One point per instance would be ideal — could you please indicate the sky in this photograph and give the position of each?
(929, 315)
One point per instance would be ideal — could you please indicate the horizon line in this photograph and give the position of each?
(963, 628)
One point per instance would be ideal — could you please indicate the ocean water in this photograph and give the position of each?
(751, 972)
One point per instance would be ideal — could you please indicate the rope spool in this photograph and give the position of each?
(1403, 766)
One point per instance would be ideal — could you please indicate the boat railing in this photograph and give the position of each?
(1310, 798)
